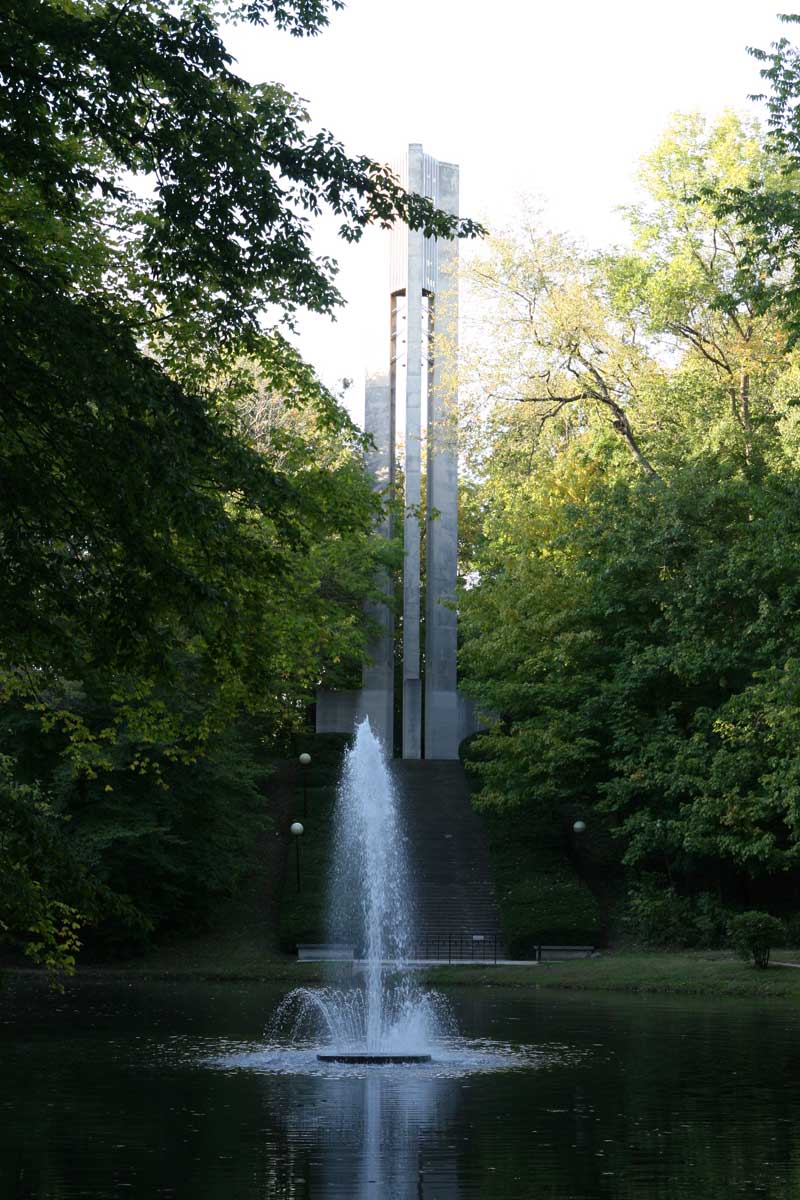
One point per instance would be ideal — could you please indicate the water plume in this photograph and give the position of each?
(385, 1012)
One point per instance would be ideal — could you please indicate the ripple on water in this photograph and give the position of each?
(453, 1058)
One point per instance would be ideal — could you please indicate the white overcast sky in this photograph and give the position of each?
(551, 98)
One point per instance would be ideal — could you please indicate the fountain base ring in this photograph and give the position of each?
(374, 1058)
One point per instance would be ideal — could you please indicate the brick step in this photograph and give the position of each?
(454, 896)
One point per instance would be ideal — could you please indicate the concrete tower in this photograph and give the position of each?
(417, 400)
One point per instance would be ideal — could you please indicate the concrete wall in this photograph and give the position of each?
(412, 682)
(441, 700)
(377, 694)
(336, 711)
(424, 271)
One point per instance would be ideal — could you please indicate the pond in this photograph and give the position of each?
(161, 1090)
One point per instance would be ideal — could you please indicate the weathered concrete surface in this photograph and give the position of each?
(441, 699)
(422, 383)
(377, 693)
(412, 686)
(336, 711)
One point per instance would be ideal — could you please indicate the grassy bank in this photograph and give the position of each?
(712, 974)
(223, 955)
(687, 973)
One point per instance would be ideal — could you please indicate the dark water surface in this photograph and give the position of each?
(161, 1090)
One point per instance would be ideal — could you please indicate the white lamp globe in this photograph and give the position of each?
(296, 828)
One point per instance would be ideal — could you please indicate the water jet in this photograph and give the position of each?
(386, 1018)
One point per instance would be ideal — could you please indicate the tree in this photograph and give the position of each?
(768, 206)
(36, 872)
(555, 342)
(657, 344)
(633, 630)
(163, 567)
(683, 281)
(132, 506)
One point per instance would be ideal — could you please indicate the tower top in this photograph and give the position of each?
(421, 173)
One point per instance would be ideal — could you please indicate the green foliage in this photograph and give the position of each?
(631, 623)
(304, 915)
(154, 204)
(657, 916)
(177, 848)
(186, 536)
(99, 89)
(326, 751)
(542, 899)
(163, 841)
(769, 206)
(36, 871)
(792, 924)
(545, 904)
(636, 689)
(753, 934)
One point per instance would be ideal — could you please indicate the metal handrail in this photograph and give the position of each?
(477, 947)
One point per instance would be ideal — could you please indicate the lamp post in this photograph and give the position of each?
(305, 763)
(296, 830)
(579, 827)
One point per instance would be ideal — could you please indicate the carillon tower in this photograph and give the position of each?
(411, 413)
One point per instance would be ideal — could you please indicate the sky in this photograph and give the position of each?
(552, 99)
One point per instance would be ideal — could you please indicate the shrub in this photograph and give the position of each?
(541, 898)
(752, 934)
(710, 919)
(304, 915)
(553, 907)
(658, 916)
(793, 931)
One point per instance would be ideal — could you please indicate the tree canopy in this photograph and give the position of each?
(167, 566)
(631, 625)
(156, 207)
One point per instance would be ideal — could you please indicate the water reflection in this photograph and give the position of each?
(140, 1091)
(366, 1131)
(384, 1135)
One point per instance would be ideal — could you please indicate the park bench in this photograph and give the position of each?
(559, 953)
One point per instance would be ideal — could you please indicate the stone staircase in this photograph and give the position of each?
(456, 910)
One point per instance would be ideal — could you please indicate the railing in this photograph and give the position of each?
(476, 947)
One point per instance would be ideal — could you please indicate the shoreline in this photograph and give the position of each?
(664, 973)
(714, 974)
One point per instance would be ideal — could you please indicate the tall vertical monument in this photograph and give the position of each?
(410, 411)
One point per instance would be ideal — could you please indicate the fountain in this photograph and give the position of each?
(387, 1018)
(335, 1034)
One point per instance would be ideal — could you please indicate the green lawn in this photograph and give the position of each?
(711, 973)
(687, 973)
